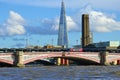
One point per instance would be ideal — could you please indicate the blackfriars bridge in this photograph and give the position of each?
(20, 58)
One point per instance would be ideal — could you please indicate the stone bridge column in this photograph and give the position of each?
(103, 57)
(18, 61)
(62, 61)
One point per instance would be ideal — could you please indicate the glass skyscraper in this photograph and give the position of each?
(62, 34)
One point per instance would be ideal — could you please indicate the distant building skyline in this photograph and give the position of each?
(62, 34)
(40, 20)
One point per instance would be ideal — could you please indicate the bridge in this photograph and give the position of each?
(21, 58)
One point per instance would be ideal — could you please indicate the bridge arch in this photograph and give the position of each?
(79, 58)
(40, 62)
(6, 61)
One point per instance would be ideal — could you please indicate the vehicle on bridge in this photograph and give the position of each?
(76, 49)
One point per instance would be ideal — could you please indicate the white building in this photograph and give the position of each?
(108, 44)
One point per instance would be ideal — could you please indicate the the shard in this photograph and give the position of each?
(62, 34)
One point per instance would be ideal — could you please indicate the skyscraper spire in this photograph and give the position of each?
(62, 34)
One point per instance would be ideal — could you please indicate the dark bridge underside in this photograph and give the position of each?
(39, 62)
(72, 61)
(5, 65)
(80, 61)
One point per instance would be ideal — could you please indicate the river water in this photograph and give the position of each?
(61, 73)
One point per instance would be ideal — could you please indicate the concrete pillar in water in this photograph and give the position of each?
(62, 61)
(19, 59)
(66, 62)
(118, 62)
(58, 61)
(103, 58)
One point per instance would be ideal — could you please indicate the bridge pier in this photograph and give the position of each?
(103, 58)
(18, 62)
(62, 61)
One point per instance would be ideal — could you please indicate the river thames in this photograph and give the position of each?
(61, 73)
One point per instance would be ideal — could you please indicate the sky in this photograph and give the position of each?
(35, 23)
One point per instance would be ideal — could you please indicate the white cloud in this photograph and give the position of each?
(51, 26)
(45, 27)
(71, 25)
(14, 25)
(99, 21)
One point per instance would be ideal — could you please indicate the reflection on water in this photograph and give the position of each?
(61, 73)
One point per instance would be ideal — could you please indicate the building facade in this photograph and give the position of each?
(62, 34)
(108, 44)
